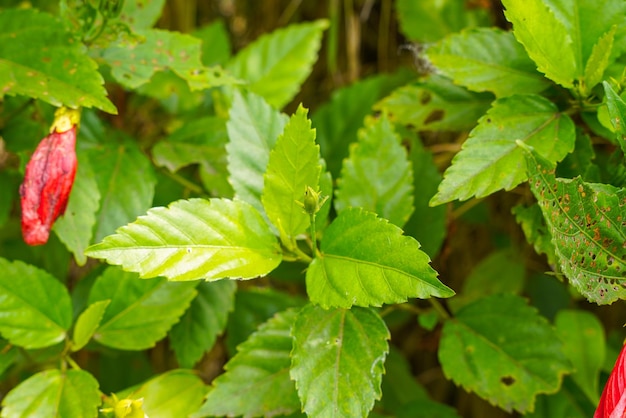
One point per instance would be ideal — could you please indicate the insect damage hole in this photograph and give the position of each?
(507, 380)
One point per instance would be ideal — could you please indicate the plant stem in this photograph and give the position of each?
(313, 236)
(439, 308)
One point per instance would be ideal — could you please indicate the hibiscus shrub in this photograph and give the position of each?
(439, 235)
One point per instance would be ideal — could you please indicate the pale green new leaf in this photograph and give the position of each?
(366, 261)
(490, 159)
(504, 351)
(260, 372)
(87, 323)
(587, 222)
(75, 227)
(338, 360)
(194, 239)
(277, 63)
(599, 59)
(436, 104)
(584, 345)
(35, 308)
(617, 112)
(377, 175)
(487, 59)
(201, 140)
(205, 319)
(53, 393)
(134, 61)
(253, 129)
(431, 20)
(126, 182)
(39, 59)
(174, 394)
(546, 39)
(140, 312)
(293, 165)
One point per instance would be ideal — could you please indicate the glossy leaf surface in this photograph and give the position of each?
(366, 261)
(141, 311)
(35, 308)
(490, 159)
(338, 360)
(194, 239)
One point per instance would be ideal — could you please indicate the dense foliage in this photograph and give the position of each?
(436, 237)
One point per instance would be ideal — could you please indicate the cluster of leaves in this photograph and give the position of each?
(219, 221)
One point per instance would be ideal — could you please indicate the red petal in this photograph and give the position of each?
(613, 400)
(47, 184)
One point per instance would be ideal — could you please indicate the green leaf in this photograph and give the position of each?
(194, 239)
(293, 165)
(583, 344)
(201, 140)
(599, 59)
(134, 61)
(337, 121)
(277, 63)
(142, 14)
(617, 113)
(425, 408)
(377, 175)
(366, 261)
(490, 159)
(534, 227)
(87, 323)
(253, 306)
(75, 227)
(141, 312)
(560, 36)
(253, 128)
(399, 385)
(53, 68)
(205, 319)
(174, 394)
(587, 222)
(431, 20)
(427, 224)
(126, 182)
(502, 349)
(338, 360)
(435, 104)
(501, 272)
(215, 43)
(260, 370)
(53, 393)
(566, 403)
(35, 308)
(487, 59)
(546, 39)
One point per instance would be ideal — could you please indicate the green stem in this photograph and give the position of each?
(313, 236)
(439, 308)
(184, 182)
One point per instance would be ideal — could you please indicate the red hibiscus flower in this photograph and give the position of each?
(613, 400)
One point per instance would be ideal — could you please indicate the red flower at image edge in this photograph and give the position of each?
(49, 178)
(613, 400)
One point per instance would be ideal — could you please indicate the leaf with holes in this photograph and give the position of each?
(502, 349)
(253, 129)
(53, 68)
(260, 370)
(194, 239)
(366, 261)
(587, 222)
(338, 360)
(377, 175)
(487, 59)
(140, 312)
(293, 165)
(199, 327)
(490, 159)
(276, 64)
(54, 393)
(35, 308)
